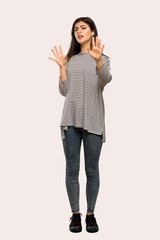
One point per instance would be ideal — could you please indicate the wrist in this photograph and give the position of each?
(62, 66)
(99, 63)
(98, 60)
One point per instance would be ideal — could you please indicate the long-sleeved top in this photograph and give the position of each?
(83, 88)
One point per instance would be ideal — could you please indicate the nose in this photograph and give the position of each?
(79, 31)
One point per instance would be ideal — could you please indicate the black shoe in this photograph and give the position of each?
(75, 225)
(91, 224)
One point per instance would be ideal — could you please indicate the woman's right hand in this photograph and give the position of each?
(59, 57)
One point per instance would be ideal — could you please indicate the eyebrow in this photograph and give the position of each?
(80, 26)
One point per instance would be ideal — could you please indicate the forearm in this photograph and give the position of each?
(104, 71)
(99, 64)
(63, 75)
(63, 81)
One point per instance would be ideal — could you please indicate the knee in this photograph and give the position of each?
(72, 172)
(92, 173)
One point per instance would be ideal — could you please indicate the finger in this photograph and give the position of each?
(52, 59)
(103, 47)
(93, 42)
(60, 49)
(56, 50)
(97, 41)
(53, 52)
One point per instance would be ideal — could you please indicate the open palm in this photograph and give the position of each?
(59, 57)
(97, 49)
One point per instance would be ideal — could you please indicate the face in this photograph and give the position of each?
(82, 32)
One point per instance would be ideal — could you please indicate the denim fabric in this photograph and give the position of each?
(92, 145)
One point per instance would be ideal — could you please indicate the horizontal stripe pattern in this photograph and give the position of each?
(83, 91)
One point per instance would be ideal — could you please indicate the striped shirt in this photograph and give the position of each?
(83, 88)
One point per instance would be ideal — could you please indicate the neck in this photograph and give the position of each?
(85, 47)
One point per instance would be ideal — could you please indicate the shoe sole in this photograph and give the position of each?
(92, 230)
(75, 230)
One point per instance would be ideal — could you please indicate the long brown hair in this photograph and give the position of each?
(75, 47)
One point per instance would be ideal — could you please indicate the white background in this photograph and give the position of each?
(33, 199)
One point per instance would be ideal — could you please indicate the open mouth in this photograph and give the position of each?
(80, 36)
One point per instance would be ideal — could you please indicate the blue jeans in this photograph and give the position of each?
(92, 145)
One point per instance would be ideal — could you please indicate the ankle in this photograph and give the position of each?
(89, 213)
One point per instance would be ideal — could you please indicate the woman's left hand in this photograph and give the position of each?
(97, 49)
